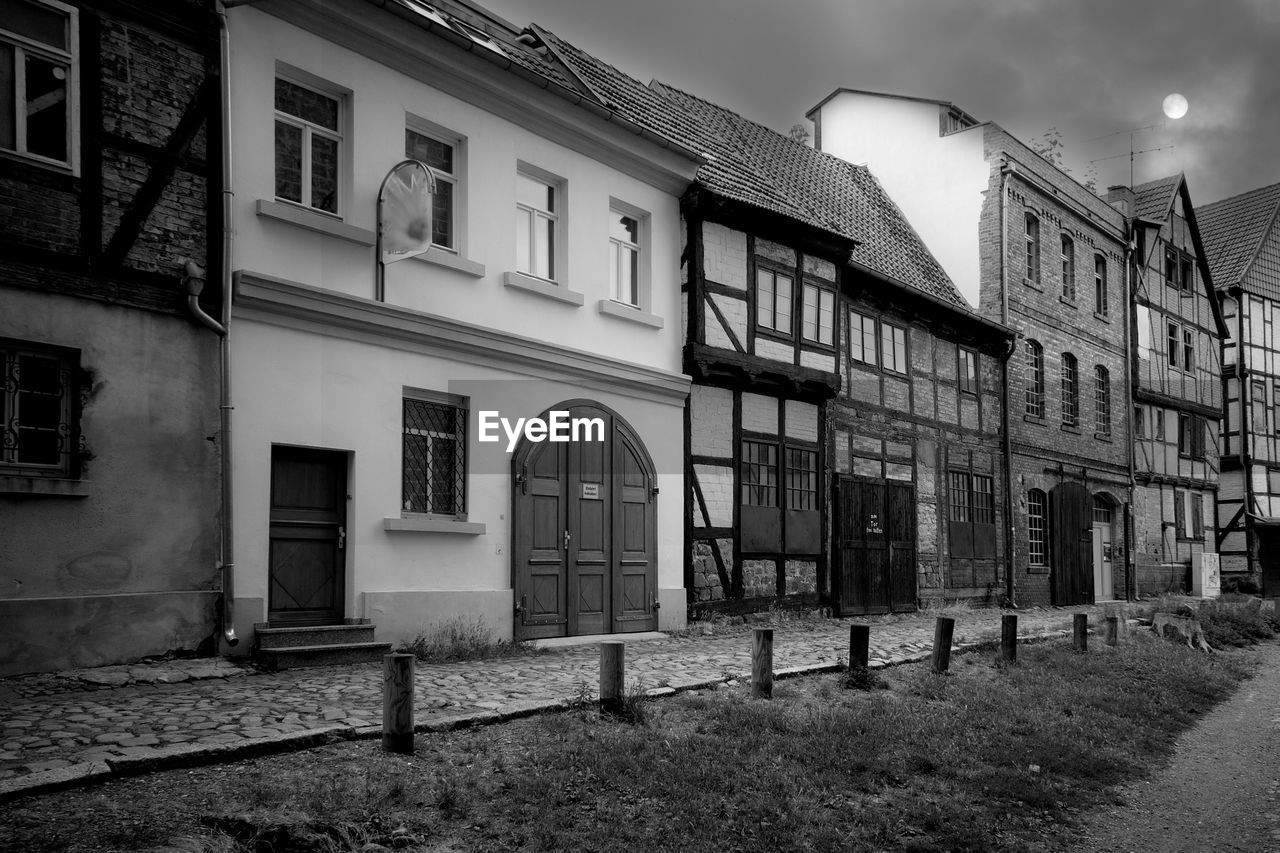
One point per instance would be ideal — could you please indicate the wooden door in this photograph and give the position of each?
(1268, 537)
(307, 536)
(1102, 565)
(875, 546)
(1071, 544)
(584, 534)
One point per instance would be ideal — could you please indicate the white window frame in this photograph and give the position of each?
(23, 45)
(556, 216)
(858, 326)
(822, 295)
(457, 179)
(643, 250)
(342, 96)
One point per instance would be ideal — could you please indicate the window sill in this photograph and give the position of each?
(1031, 284)
(1065, 301)
(318, 222)
(43, 487)
(1074, 430)
(415, 524)
(1032, 419)
(445, 258)
(1103, 436)
(1037, 570)
(1103, 317)
(542, 287)
(629, 313)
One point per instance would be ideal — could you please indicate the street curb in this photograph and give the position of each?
(198, 755)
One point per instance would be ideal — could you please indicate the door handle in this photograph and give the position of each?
(342, 538)
(567, 537)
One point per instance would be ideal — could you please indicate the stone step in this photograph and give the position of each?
(293, 657)
(267, 637)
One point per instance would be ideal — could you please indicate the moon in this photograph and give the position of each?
(1175, 106)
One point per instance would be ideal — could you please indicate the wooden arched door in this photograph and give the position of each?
(584, 530)
(1071, 544)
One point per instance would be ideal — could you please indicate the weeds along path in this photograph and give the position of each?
(1219, 792)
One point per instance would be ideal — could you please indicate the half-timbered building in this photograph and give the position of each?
(1177, 387)
(843, 425)
(109, 346)
(1242, 242)
(1036, 251)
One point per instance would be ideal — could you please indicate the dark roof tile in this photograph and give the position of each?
(1232, 230)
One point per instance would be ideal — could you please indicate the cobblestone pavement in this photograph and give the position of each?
(67, 728)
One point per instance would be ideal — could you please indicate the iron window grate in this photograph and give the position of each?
(434, 457)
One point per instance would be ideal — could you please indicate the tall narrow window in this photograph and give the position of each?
(1033, 249)
(1186, 275)
(537, 221)
(442, 157)
(1102, 400)
(1197, 516)
(1035, 379)
(1101, 304)
(38, 70)
(893, 348)
(968, 371)
(862, 338)
(759, 473)
(624, 258)
(773, 300)
(1068, 269)
(1185, 434)
(1175, 353)
(1070, 391)
(1037, 518)
(1139, 422)
(434, 456)
(802, 479)
(308, 146)
(1171, 267)
(1180, 513)
(1188, 350)
(38, 410)
(818, 322)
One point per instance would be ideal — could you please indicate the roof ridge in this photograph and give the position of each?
(1239, 196)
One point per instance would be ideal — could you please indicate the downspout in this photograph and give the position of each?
(1244, 397)
(1130, 372)
(1006, 444)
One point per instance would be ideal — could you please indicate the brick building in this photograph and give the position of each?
(1177, 386)
(1042, 254)
(844, 420)
(109, 378)
(1242, 244)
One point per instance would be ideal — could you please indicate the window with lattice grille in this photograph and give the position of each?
(435, 480)
(39, 433)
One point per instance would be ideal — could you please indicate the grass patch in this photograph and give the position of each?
(985, 759)
(1231, 621)
(461, 639)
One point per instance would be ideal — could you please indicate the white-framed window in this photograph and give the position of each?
(893, 348)
(1032, 234)
(39, 74)
(862, 338)
(539, 200)
(624, 257)
(1037, 527)
(1101, 304)
(773, 300)
(39, 417)
(865, 332)
(309, 147)
(1102, 400)
(434, 447)
(1068, 269)
(817, 324)
(443, 152)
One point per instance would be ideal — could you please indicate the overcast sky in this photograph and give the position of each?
(1087, 67)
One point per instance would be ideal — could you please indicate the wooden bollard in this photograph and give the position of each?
(612, 675)
(942, 634)
(762, 663)
(1113, 630)
(859, 646)
(397, 703)
(1009, 638)
(1080, 632)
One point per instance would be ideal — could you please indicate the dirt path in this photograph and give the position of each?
(1221, 790)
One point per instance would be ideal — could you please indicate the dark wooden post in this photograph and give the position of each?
(612, 674)
(397, 703)
(1009, 638)
(942, 643)
(1080, 625)
(762, 663)
(859, 646)
(1113, 630)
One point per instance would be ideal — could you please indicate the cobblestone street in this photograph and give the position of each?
(73, 727)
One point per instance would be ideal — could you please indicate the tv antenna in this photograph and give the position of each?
(1133, 151)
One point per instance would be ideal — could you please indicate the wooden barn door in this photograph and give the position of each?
(584, 534)
(307, 536)
(1071, 544)
(875, 546)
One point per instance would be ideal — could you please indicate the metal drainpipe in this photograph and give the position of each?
(224, 401)
(1006, 445)
(1129, 372)
(1245, 399)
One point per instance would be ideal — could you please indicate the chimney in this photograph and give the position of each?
(1121, 198)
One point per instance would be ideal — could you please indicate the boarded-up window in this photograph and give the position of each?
(1180, 514)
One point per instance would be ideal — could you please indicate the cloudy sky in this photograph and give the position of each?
(1090, 68)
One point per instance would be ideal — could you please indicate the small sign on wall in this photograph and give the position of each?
(591, 491)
